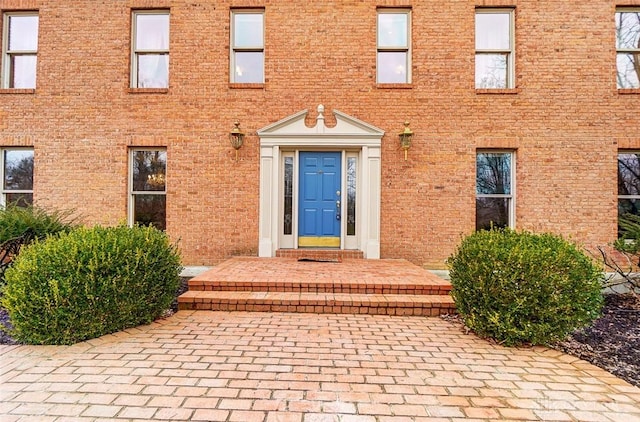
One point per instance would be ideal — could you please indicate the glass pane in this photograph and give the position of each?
(288, 195)
(491, 71)
(629, 174)
(249, 67)
(628, 65)
(22, 73)
(153, 71)
(23, 33)
(248, 30)
(149, 170)
(20, 199)
(393, 30)
(351, 196)
(492, 31)
(493, 173)
(492, 212)
(392, 67)
(152, 32)
(628, 30)
(18, 170)
(150, 210)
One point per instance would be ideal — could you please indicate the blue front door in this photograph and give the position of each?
(319, 208)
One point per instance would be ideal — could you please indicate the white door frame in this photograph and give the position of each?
(292, 135)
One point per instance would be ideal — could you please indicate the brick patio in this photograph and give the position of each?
(249, 366)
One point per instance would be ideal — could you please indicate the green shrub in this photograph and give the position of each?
(629, 234)
(519, 287)
(90, 282)
(15, 220)
(40, 223)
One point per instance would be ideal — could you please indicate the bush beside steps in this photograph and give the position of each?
(90, 282)
(520, 287)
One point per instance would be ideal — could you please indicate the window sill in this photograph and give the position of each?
(234, 85)
(498, 91)
(629, 91)
(17, 91)
(394, 86)
(148, 90)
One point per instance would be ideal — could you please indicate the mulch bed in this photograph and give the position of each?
(612, 342)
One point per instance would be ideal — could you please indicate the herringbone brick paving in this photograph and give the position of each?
(251, 366)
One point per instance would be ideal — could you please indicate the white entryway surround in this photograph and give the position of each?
(291, 135)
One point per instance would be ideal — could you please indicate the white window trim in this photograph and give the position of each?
(512, 183)
(6, 54)
(131, 193)
(255, 49)
(135, 52)
(619, 197)
(626, 50)
(511, 52)
(3, 191)
(407, 49)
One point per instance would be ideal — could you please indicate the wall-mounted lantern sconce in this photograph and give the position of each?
(405, 139)
(236, 137)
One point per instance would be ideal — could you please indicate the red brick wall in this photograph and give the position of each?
(565, 119)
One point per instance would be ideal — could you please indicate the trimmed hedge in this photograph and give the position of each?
(520, 287)
(90, 282)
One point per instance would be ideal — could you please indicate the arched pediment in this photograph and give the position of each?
(293, 130)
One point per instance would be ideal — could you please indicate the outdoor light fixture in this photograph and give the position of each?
(405, 139)
(236, 137)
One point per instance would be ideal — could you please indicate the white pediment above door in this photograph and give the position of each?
(293, 130)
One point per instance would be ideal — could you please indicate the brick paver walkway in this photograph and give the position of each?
(220, 366)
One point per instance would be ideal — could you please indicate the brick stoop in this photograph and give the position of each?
(356, 286)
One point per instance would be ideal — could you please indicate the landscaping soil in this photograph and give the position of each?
(612, 342)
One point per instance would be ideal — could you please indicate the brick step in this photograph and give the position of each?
(312, 254)
(372, 304)
(393, 287)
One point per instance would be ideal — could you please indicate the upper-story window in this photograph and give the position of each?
(494, 48)
(20, 46)
(628, 47)
(17, 176)
(150, 49)
(494, 189)
(393, 46)
(247, 46)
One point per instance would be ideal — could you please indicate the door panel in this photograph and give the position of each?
(320, 178)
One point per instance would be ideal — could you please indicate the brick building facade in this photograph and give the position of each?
(538, 87)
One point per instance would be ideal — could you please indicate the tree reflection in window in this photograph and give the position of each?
(628, 48)
(628, 184)
(351, 196)
(493, 190)
(149, 187)
(288, 195)
(18, 177)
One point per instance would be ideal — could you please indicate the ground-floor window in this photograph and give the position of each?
(628, 184)
(147, 187)
(17, 176)
(494, 189)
